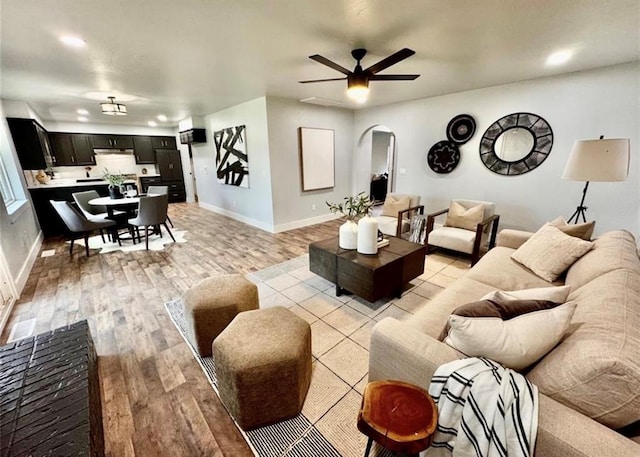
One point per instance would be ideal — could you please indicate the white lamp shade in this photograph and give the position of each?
(604, 160)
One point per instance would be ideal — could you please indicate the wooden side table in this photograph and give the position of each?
(398, 416)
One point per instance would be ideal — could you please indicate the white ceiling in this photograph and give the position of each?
(192, 58)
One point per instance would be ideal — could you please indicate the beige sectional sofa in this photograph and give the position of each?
(589, 383)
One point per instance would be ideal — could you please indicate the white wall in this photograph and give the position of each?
(580, 105)
(20, 236)
(116, 129)
(291, 206)
(252, 205)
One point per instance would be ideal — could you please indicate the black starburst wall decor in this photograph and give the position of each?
(444, 156)
(232, 162)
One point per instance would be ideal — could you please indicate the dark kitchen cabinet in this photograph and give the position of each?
(62, 149)
(71, 149)
(83, 149)
(170, 169)
(169, 165)
(146, 181)
(163, 142)
(143, 149)
(32, 144)
(112, 141)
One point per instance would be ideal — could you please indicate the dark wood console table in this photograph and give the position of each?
(368, 276)
(50, 395)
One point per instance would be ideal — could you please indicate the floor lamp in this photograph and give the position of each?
(603, 160)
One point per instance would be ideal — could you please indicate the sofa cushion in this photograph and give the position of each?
(549, 252)
(461, 217)
(393, 205)
(556, 294)
(611, 251)
(503, 308)
(583, 231)
(516, 343)
(454, 238)
(596, 369)
(498, 270)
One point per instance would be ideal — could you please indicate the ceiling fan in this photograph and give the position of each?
(358, 79)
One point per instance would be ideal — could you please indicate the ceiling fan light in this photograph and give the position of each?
(358, 88)
(113, 109)
(358, 93)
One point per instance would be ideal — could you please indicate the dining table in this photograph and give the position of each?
(126, 204)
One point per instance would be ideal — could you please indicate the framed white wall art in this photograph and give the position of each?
(317, 158)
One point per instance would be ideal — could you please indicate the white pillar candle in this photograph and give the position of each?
(367, 235)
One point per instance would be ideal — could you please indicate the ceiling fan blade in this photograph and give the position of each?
(328, 63)
(321, 80)
(393, 77)
(391, 60)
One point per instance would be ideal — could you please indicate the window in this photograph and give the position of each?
(5, 186)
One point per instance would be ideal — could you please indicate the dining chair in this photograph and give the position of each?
(152, 212)
(97, 213)
(160, 190)
(76, 222)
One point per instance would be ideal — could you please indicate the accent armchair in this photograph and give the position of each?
(396, 213)
(469, 227)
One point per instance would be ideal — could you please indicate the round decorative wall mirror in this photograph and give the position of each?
(516, 144)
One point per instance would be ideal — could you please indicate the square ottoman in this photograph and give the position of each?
(263, 365)
(212, 303)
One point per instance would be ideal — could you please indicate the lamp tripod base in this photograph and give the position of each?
(581, 210)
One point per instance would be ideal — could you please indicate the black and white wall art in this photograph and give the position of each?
(232, 162)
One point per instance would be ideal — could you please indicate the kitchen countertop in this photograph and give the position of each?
(71, 182)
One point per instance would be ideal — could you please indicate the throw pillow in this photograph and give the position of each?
(583, 231)
(516, 343)
(392, 205)
(549, 252)
(502, 308)
(459, 216)
(557, 294)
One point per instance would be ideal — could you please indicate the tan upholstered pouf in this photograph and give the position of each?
(211, 304)
(263, 364)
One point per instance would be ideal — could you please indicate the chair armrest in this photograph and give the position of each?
(419, 208)
(510, 238)
(400, 351)
(431, 220)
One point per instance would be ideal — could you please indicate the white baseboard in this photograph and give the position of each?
(21, 280)
(304, 222)
(238, 217)
(269, 227)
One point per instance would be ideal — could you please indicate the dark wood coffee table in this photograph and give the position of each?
(368, 276)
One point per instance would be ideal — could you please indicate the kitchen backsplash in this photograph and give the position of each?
(115, 163)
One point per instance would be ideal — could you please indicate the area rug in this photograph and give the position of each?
(155, 242)
(340, 331)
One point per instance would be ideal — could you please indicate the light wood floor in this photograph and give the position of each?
(156, 400)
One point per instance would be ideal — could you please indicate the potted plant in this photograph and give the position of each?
(115, 180)
(353, 208)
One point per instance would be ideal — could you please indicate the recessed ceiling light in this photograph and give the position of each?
(162, 118)
(152, 123)
(73, 41)
(559, 57)
(82, 111)
(82, 119)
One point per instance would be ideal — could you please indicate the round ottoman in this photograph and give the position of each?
(211, 304)
(263, 365)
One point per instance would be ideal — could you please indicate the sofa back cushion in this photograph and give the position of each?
(596, 368)
(611, 251)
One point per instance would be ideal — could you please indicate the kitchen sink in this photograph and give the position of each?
(89, 179)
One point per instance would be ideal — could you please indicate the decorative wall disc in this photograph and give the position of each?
(443, 156)
(516, 144)
(461, 128)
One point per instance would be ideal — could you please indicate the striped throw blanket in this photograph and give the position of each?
(484, 409)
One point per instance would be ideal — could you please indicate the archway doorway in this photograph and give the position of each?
(381, 144)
